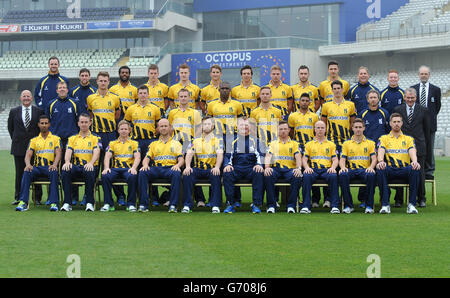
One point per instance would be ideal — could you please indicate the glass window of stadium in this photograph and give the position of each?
(314, 21)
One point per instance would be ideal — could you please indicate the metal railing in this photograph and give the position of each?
(392, 33)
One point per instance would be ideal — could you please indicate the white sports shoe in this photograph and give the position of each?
(89, 207)
(326, 204)
(131, 208)
(347, 210)
(335, 210)
(105, 208)
(185, 209)
(290, 210)
(66, 207)
(215, 210)
(411, 209)
(271, 210)
(305, 210)
(385, 209)
(315, 205)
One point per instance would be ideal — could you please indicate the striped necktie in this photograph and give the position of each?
(410, 114)
(423, 96)
(27, 117)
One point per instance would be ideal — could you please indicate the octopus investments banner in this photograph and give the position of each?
(260, 59)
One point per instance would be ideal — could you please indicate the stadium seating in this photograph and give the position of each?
(40, 16)
(141, 61)
(69, 58)
(408, 19)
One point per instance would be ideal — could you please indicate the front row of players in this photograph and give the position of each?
(396, 158)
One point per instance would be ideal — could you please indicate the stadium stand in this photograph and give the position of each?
(39, 16)
(141, 61)
(414, 17)
(70, 58)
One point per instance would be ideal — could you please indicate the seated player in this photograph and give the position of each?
(125, 156)
(166, 159)
(46, 148)
(397, 159)
(358, 154)
(320, 161)
(286, 158)
(81, 161)
(207, 152)
(243, 161)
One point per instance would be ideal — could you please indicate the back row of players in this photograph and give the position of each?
(184, 103)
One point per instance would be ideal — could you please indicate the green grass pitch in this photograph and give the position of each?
(37, 243)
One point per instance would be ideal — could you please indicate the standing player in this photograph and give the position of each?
(46, 149)
(325, 89)
(164, 160)
(392, 95)
(157, 91)
(397, 159)
(81, 161)
(339, 115)
(207, 153)
(211, 92)
(185, 121)
(83, 89)
(358, 160)
(267, 117)
(304, 86)
(302, 130)
(358, 92)
(246, 93)
(63, 112)
(225, 112)
(126, 91)
(125, 157)
(320, 161)
(45, 90)
(104, 108)
(283, 160)
(376, 118)
(185, 83)
(143, 117)
(281, 93)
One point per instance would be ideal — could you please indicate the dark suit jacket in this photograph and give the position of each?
(21, 136)
(433, 103)
(419, 128)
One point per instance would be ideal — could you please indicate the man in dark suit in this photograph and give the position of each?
(22, 127)
(429, 96)
(417, 125)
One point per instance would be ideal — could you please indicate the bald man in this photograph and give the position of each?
(163, 160)
(22, 127)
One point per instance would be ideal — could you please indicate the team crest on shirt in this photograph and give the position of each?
(290, 150)
(253, 94)
(50, 144)
(89, 144)
(283, 92)
(189, 118)
(149, 114)
(159, 92)
(69, 110)
(380, 121)
(231, 110)
(365, 150)
(109, 104)
(327, 150)
(131, 93)
(171, 149)
(129, 148)
(345, 111)
(403, 143)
